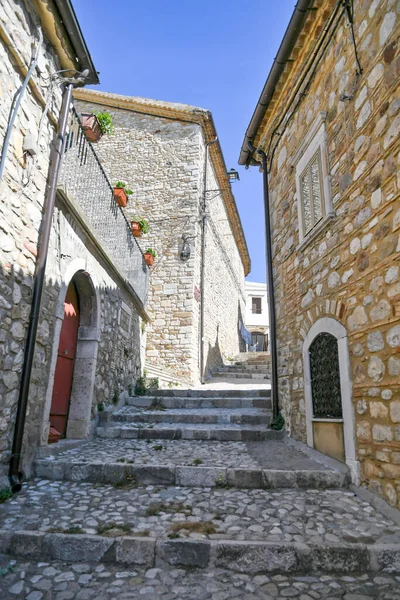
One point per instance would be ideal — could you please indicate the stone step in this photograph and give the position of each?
(249, 416)
(186, 431)
(248, 531)
(197, 403)
(108, 582)
(207, 393)
(239, 375)
(245, 367)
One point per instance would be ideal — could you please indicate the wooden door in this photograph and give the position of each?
(65, 363)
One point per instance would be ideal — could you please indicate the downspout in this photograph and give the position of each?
(203, 258)
(15, 474)
(270, 285)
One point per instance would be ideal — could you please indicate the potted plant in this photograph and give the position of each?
(96, 124)
(149, 256)
(139, 226)
(121, 193)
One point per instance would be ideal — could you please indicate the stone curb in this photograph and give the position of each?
(190, 476)
(244, 557)
(176, 433)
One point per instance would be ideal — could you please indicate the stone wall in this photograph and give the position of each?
(162, 160)
(224, 282)
(350, 270)
(115, 360)
(21, 203)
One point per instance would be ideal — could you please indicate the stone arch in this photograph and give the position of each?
(337, 330)
(81, 398)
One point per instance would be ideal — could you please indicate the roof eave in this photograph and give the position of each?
(292, 33)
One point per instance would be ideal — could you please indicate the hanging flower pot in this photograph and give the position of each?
(149, 256)
(120, 196)
(121, 193)
(91, 127)
(135, 228)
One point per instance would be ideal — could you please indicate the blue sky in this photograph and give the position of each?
(215, 54)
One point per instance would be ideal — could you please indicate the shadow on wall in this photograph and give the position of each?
(107, 352)
(214, 356)
(241, 342)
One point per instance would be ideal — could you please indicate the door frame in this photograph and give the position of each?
(82, 392)
(335, 328)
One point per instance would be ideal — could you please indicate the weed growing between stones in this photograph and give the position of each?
(128, 481)
(197, 461)
(156, 508)
(5, 494)
(205, 527)
(9, 568)
(278, 423)
(156, 406)
(158, 447)
(74, 530)
(129, 461)
(113, 529)
(173, 536)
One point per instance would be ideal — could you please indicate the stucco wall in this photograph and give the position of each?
(350, 270)
(162, 161)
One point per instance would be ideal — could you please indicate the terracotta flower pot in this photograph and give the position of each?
(91, 127)
(120, 197)
(149, 258)
(135, 228)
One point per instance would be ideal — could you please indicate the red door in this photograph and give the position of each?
(65, 363)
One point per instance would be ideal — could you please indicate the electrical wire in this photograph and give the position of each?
(349, 4)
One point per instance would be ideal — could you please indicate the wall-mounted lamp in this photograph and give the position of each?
(233, 175)
(185, 250)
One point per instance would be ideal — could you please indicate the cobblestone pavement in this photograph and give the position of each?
(270, 454)
(335, 516)
(60, 581)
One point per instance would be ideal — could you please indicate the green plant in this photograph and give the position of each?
(115, 398)
(5, 494)
(154, 383)
(158, 447)
(121, 184)
(143, 326)
(140, 387)
(205, 527)
(151, 251)
(173, 536)
(100, 407)
(143, 224)
(107, 527)
(105, 121)
(278, 422)
(9, 568)
(197, 461)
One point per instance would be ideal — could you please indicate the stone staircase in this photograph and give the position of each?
(252, 369)
(235, 415)
(196, 479)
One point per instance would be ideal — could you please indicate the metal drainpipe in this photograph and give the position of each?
(15, 474)
(270, 285)
(203, 258)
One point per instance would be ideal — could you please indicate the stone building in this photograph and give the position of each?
(159, 150)
(256, 317)
(328, 120)
(96, 277)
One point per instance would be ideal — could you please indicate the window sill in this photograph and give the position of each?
(315, 231)
(326, 420)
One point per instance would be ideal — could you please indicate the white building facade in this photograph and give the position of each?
(256, 317)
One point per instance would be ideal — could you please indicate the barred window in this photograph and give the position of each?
(312, 196)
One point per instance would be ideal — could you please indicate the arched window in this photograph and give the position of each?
(325, 377)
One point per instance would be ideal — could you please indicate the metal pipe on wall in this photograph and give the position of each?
(270, 285)
(15, 474)
(203, 258)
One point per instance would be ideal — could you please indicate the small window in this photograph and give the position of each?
(256, 306)
(312, 195)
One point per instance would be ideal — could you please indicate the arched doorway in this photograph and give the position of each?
(71, 386)
(326, 396)
(328, 393)
(63, 375)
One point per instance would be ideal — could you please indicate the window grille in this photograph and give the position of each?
(325, 377)
(312, 192)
